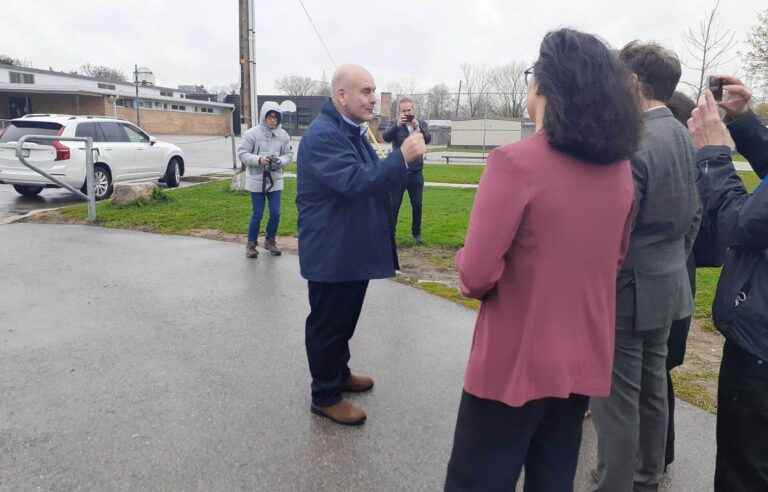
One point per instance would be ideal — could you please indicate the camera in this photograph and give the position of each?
(409, 118)
(716, 86)
(274, 163)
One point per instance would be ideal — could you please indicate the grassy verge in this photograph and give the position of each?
(442, 173)
(692, 387)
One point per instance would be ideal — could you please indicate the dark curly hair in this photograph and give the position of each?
(657, 68)
(591, 112)
(681, 106)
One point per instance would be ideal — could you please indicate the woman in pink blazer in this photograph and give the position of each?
(548, 231)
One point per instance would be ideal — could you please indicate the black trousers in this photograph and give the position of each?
(742, 422)
(493, 442)
(334, 311)
(415, 187)
(678, 337)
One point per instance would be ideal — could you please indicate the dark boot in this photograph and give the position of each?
(271, 246)
(250, 250)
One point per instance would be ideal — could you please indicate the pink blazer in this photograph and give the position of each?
(545, 241)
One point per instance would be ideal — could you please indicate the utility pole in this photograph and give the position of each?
(458, 101)
(136, 82)
(245, 63)
(252, 61)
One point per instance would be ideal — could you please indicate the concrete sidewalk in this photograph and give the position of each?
(131, 361)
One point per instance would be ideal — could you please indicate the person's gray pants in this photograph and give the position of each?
(631, 423)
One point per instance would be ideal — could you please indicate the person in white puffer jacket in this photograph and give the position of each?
(265, 151)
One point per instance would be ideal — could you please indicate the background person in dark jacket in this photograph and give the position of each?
(346, 236)
(740, 309)
(681, 106)
(397, 134)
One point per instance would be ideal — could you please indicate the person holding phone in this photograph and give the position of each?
(740, 309)
(400, 130)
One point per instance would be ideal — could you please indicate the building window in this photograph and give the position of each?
(198, 109)
(166, 93)
(21, 78)
(111, 87)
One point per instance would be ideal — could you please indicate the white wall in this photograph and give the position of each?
(492, 133)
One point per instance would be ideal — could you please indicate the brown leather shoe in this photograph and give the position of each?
(357, 384)
(344, 413)
(250, 249)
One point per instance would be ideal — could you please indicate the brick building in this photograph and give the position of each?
(162, 110)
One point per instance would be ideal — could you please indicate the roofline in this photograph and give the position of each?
(20, 88)
(83, 77)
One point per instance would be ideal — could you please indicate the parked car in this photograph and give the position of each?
(122, 152)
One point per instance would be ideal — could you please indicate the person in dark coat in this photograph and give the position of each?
(346, 235)
(740, 309)
(681, 106)
(401, 129)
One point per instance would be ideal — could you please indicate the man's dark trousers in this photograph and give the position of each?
(742, 422)
(415, 187)
(334, 311)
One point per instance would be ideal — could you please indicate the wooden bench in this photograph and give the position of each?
(474, 157)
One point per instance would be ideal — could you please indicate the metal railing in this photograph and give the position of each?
(90, 196)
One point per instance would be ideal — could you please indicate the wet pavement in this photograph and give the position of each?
(132, 361)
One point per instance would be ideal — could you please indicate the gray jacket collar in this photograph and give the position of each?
(657, 113)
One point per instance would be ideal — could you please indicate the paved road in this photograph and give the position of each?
(132, 361)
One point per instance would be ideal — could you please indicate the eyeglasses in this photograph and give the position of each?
(529, 76)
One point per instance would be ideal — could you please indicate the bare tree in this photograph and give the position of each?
(9, 60)
(757, 57)
(477, 82)
(101, 72)
(225, 90)
(296, 85)
(439, 103)
(322, 87)
(709, 46)
(509, 83)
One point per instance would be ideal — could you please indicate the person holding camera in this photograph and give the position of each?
(740, 311)
(400, 130)
(265, 150)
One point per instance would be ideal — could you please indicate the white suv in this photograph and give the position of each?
(123, 152)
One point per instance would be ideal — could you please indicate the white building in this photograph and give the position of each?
(162, 110)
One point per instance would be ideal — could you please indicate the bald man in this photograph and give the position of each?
(346, 235)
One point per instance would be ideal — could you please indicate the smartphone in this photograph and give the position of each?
(716, 86)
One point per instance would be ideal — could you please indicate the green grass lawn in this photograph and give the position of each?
(213, 206)
(441, 173)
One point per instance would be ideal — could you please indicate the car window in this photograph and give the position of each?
(113, 132)
(18, 129)
(135, 135)
(89, 130)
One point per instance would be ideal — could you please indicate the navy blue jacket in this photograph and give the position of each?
(342, 193)
(740, 222)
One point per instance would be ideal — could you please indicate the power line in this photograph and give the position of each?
(322, 41)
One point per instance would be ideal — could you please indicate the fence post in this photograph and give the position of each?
(90, 179)
(232, 135)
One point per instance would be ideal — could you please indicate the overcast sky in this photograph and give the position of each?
(187, 42)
